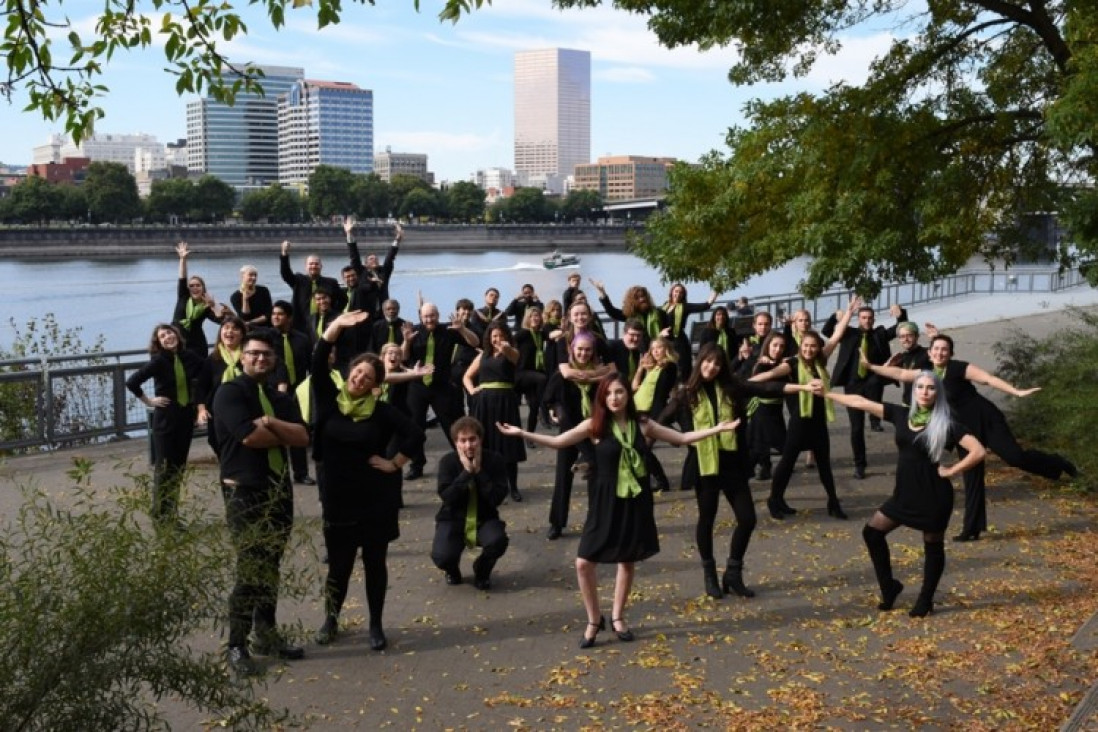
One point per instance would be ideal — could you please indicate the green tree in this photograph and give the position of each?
(420, 202)
(372, 196)
(214, 199)
(72, 203)
(33, 200)
(581, 204)
(283, 204)
(530, 206)
(331, 191)
(172, 197)
(465, 201)
(112, 193)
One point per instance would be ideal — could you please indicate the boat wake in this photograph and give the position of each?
(449, 271)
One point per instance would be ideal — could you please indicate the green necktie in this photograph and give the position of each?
(288, 357)
(471, 516)
(275, 461)
(392, 333)
(539, 352)
(863, 370)
(430, 358)
(182, 394)
(319, 325)
(312, 297)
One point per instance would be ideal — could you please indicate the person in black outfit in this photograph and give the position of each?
(372, 275)
(518, 307)
(985, 421)
(305, 285)
(636, 303)
(472, 483)
(193, 307)
(855, 378)
(255, 423)
(389, 328)
(431, 344)
(485, 315)
(626, 352)
(530, 372)
(360, 489)
(252, 302)
(911, 355)
(222, 365)
(294, 361)
(569, 293)
(719, 330)
(678, 310)
(174, 371)
(713, 394)
(750, 346)
(923, 495)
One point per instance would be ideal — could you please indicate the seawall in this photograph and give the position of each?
(128, 241)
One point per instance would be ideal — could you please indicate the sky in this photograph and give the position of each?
(446, 90)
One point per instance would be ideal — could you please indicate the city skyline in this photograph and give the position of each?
(552, 111)
(447, 90)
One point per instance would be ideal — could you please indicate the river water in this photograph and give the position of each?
(124, 299)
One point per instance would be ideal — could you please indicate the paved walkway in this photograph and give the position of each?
(809, 651)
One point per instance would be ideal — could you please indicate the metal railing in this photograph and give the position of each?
(56, 401)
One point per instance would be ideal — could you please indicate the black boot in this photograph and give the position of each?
(733, 579)
(934, 560)
(877, 546)
(834, 508)
(712, 584)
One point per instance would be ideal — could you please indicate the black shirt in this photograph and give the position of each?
(236, 406)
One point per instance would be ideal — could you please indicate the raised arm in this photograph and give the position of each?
(284, 268)
(977, 375)
(183, 252)
(840, 327)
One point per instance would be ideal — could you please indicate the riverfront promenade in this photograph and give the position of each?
(810, 651)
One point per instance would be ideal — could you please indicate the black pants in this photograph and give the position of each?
(449, 543)
(439, 396)
(260, 519)
(343, 542)
(804, 434)
(732, 483)
(172, 433)
(872, 389)
(531, 385)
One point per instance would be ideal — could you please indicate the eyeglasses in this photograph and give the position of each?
(260, 354)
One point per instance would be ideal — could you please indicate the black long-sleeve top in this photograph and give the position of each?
(161, 369)
(259, 305)
(453, 487)
(194, 336)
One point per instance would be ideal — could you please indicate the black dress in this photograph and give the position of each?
(498, 404)
(618, 529)
(922, 499)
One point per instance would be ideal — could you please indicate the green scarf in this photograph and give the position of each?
(722, 341)
(182, 393)
(385, 393)
(288, 357)
(676, 319)
(921, 418)
(631, 464)
(804, 376)
(194, 313)
(304, 393)
(863, 350)
(646, 394)
(231, 359)
(471, 517)
(705, 416)
(275, 459)
(357, 408)
(652, 323)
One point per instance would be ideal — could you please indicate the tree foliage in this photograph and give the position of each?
(111, 191)
(979, 113)
(273, 204)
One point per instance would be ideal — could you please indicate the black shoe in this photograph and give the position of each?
(241, 662)
(876, 427)
(482, 583)
(859, 472)
(305, 480)
(453, 578)
(378, 641)
(835, 509)
(415, 472)
(1069, 467)
(516, 496)
(965, 536)
(787, 509)
(922, 607)
(328, 631)
(623, 635)
(274, 644)
(732, 580)
(775, 509)
(554, 533)
(586, 642)
(888, 599)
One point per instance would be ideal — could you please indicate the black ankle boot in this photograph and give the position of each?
(889, 595)
(835, 509)
(733, 579)
(712, 584)
(923, 606)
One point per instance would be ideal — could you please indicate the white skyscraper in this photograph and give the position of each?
(324, 123)
(552, 111)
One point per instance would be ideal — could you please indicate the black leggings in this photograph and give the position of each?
(343, 542)
(804, 434)
(737, 492)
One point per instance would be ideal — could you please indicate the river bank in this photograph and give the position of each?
(119, 242)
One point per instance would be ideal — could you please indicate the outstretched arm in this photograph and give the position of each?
(977, 375)
(574, 436)
(856, 401)
(653, 430)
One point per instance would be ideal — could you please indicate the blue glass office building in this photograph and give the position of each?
(324, 123)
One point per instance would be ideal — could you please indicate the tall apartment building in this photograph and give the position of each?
(624, 177)
(324, 123)
(239, 144)
(112, 148)
(495, 182)
(388, 163)
(552, 111)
